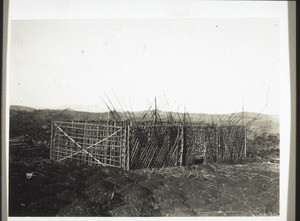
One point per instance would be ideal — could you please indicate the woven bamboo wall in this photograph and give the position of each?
(91, 143)
(224, 143)
(145, 145)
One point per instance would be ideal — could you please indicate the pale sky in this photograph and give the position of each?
(205, 65)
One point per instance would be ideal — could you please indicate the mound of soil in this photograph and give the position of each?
(40, 187)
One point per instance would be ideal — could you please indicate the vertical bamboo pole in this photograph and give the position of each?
(97, 138)
(181, 147)
(58, 154)
(245, 140)
(123, 147)
(92, 135)
(217, 142)
(128, 147)
(155, 112)
(101, 136)
(51, 141)
(244, 127)
(109, 145)
(205, 151)
(86, 132)
(183, 141)
(113, 147)
(106, 143)
(72, 128)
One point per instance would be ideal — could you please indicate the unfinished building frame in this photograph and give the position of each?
(129, 145)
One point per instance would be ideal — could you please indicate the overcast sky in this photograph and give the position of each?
(205, 65)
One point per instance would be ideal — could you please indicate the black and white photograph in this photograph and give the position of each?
(126, 111)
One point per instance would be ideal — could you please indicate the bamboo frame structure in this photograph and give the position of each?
(91, 143)
(146, 144)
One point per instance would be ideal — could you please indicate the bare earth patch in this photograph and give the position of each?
(234, 190)
(54, 189)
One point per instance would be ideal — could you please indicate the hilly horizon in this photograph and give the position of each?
(260, 120)
(63, 108)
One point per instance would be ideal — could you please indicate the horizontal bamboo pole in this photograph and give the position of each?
(104, 123)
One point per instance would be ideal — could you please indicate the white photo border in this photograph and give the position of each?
(103, 9)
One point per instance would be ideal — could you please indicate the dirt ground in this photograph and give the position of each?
(223, 190)
(39, 187)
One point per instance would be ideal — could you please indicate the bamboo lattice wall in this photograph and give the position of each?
(92, 143)
(145, 144)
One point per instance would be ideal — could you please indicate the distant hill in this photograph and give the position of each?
(21, 108)
(260, 121)
(37, 122)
